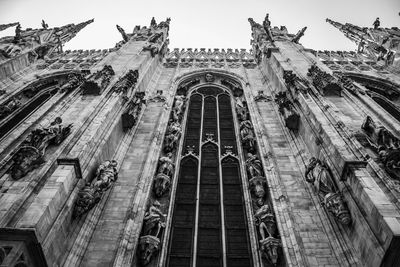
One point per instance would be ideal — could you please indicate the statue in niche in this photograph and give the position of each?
(384, 144)
(30, 153)
(318, 174)
(91, 193)
(254, 166)
(247, 136)
(8, 108)
(149, 242)
(166, 166)
(241, 109)
(257, 188)
(269, 242)
(174, 130)
(177, 110)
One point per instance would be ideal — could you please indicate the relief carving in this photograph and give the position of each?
(126, 82)
(318, 174)
(91, 193)
(30, 153)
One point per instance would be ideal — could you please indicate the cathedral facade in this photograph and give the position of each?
(141, 155)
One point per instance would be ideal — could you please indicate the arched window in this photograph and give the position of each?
(209, 225)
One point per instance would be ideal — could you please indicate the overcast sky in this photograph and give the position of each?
(205, 23)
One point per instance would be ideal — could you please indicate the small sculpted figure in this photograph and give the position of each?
(376, 23)
(91, 193)
(125, 37)
(269, 242)
(30, 154)
(149, 243)
(166, 166)
(254, 166)
(241, 109)
(247, 136)
(317, 173)
(7, 109)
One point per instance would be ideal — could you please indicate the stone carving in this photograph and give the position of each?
(247, 136)
(172, 139)
(209, 78)
(179, 105)
(154, 50)
(287, 110)
(257, 189)
(158, 97)
(292, 81)
(241, 109)
(162, 181)
(300, 34)
(318, 174)
(125, 37)
(262, 97)
(131, 114)
(269, 243)
(6, 26)
(267, 28)
(254, 166)
(383, 143)
(44, 24)
(185, 86)
(91, 193)
(73, 81)
(149, 242)
(30, 154)
(126, 82)
(7, 109)
(324, 82)
(234, 86)
(98, 81)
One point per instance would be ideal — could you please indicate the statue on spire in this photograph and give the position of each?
(44, 24)
(124, 35)
(376, 23)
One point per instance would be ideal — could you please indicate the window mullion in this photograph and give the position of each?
(196, 229)
(221, 189)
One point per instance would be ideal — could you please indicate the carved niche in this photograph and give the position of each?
(30, 153)
(383, 143)
(324, 82)
(269, 240)
(91, 193)
(131, 114)
(98, 81)
(318, 174)
(288, 111)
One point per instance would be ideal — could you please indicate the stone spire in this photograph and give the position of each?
(380, 43)
(6, 26)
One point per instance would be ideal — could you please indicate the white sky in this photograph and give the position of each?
(198, 24)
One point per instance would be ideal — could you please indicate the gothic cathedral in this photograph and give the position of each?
(140, 155)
